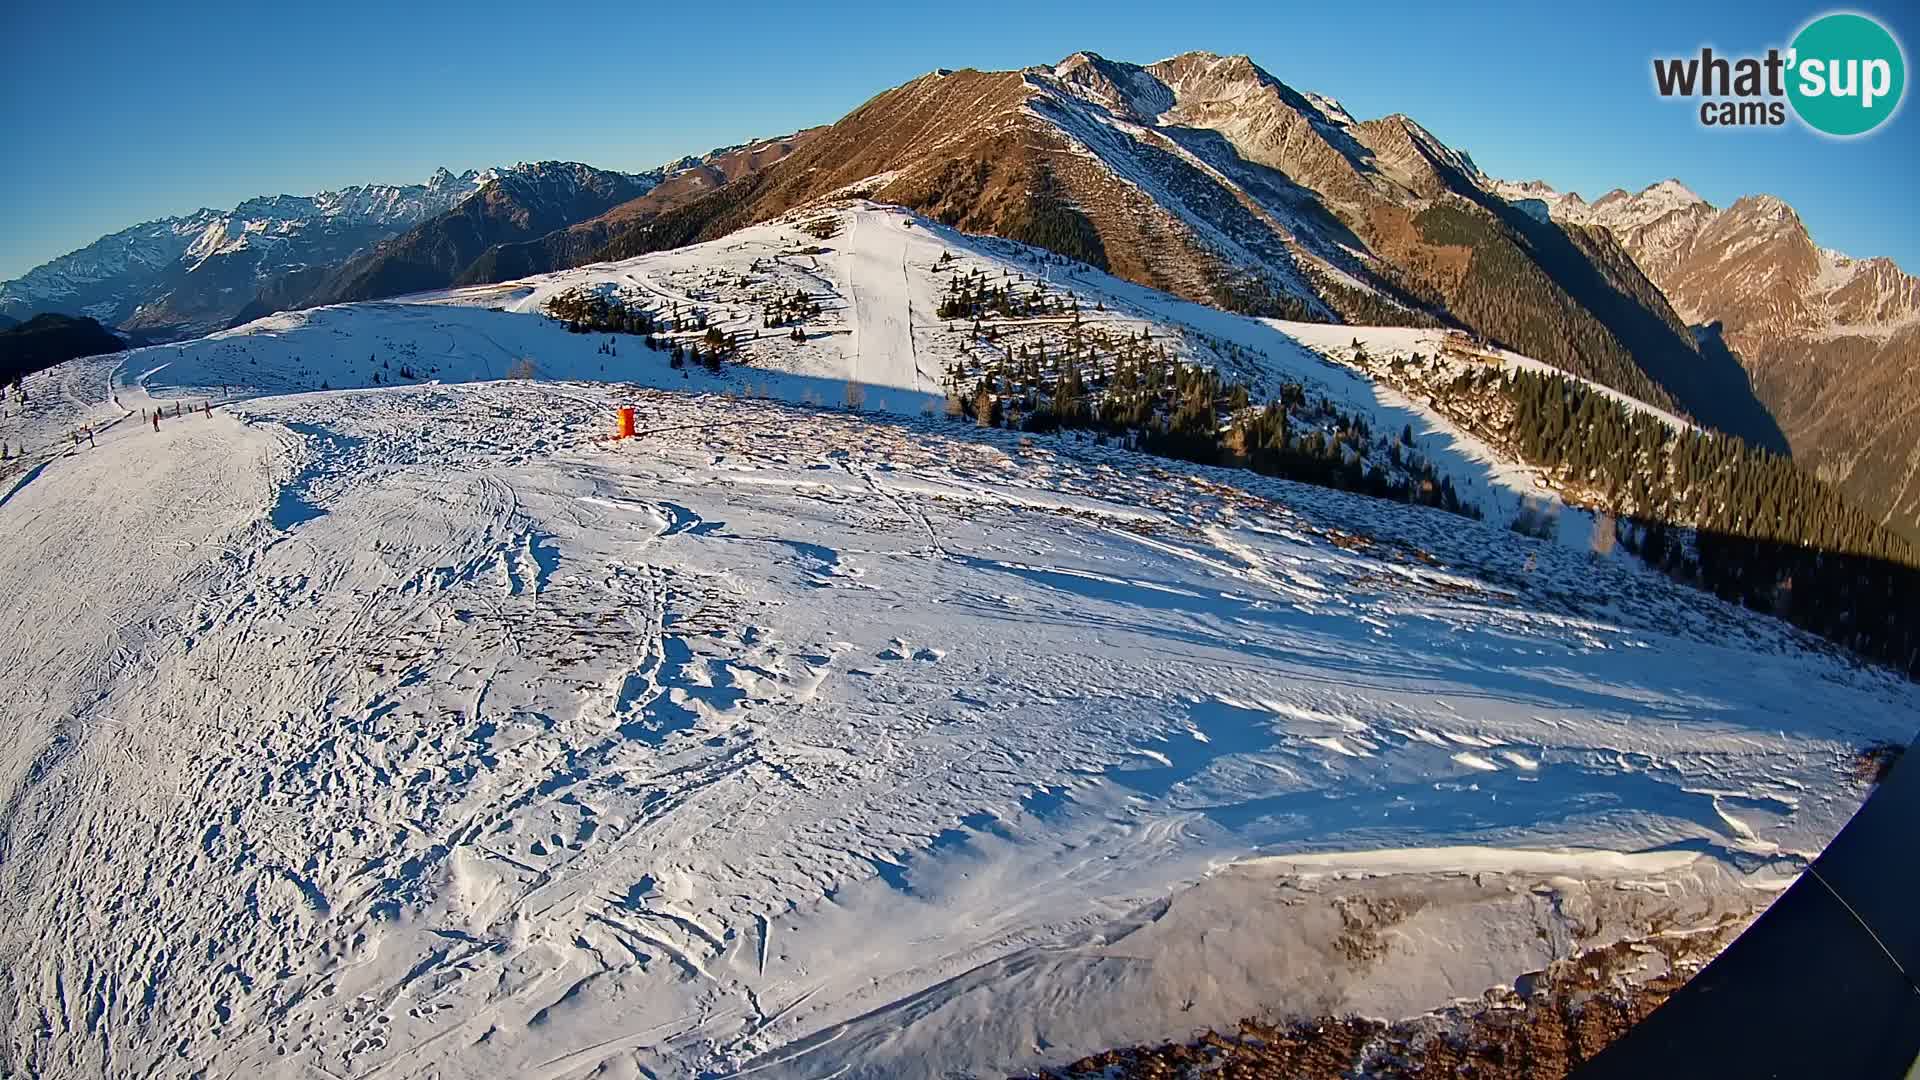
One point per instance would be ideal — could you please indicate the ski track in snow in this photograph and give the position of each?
(421, 731)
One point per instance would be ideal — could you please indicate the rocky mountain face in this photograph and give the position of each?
(188, 274)
(517, 204)
(1832, 343)
(1207, 177)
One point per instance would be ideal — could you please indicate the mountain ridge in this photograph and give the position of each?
(683, 181)
(1208, 177)
(1829, 340)
(193, 273)
(176, 268)
(521, 203)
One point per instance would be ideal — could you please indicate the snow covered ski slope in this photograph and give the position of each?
(879, 281)
(420, 730)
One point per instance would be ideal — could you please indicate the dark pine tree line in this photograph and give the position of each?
(1742, 522)
(1128, 388)
(587, 312)
(1507, 296)
(973, 295)
(791, 310)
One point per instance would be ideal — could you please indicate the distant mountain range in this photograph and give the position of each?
(188, 275)
(521, 203)
(192, 273)
(1202, 175)
(579, 243)
(1832, 343)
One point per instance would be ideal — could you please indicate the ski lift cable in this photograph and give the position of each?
(1892, 959)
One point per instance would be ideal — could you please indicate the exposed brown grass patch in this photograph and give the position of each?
(1567, 1015)
(1872, 764)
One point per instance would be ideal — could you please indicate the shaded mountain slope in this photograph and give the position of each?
(525, 203)
(576, 243)
(1830, 344)
(46, 340)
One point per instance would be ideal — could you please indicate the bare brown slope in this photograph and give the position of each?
(997, 153)
(1850, 403)
(703, 178)
(963, 147)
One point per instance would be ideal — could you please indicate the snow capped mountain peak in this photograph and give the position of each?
(1331, 109)
(569, 174)
(1671, 192)
(74, 280)
(1232, 65)
(1620, 208)
(554, 184)
(1768, 208)
(1541, 201)
(1077, 61)
(193, 273)
(1417, 139)
(1827, 333)
(1215, 77)
(123, 276)
(1126, 90)
(1625, 212)
(1304, 134)
(1666, 226)
(212, 238)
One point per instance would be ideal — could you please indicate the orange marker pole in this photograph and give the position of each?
(626, 423)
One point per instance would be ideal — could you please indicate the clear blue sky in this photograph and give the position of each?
(123, 112)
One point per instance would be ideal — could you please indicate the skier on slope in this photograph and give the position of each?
(156, 421)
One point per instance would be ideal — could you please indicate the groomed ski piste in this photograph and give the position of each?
(418, 728)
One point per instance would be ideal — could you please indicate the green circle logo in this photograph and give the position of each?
(1848, 74)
